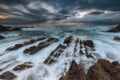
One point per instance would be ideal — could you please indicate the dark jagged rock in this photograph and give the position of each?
(89, 43)
(30, 49)
(75, 72)
(17, 46)
(14, 47)
(115, 63)
(104, 70)
(81, 45)
(1, 37)
(7, 76)
(76, 43)
(115, 29)
(88, 46)
(55, 53)
(16, 29)
(23, 66)
(68, 40)
(33, 49)
(81, 52)
(8, 28)
(29, 42)
(3, 28)
(89, 56)
(117, 38)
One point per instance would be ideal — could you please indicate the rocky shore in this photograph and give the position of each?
(101, 70)
(97, 68)
(115, 29)
(8, 28)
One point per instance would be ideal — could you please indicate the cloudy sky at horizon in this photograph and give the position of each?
(33, 11)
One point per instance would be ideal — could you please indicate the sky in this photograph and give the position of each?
(78, 11)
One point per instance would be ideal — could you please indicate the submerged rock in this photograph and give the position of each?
(75, 72)
(104, 70)
(4, 28)
(7, 76)
(115, 29)
(117, 38)
(1, 37)
(8, 28)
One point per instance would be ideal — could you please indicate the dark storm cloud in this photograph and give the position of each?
(14, 2)
(96, 13)
(27, 11)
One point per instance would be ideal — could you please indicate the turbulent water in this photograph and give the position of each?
(105, 46)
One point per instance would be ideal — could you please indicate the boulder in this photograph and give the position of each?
(115, 29)
(104, 70)
(117, 38)
(1, 37)
(75, 72)
(7, 76)
(89, 43)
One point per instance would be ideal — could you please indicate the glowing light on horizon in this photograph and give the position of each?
(108, 12)
(3, 17)
(81, 14)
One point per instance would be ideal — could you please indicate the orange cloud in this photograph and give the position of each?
(3, 17)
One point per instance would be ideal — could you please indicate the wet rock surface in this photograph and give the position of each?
(1, 37)
(17, 46)
(117, 38)
(86, 47)
(7, 76)
(23, 66)
(33, 49)
(55, 54)
(75, 72)
(8, 28)
(115, 29)
(88, 43)
(68, 40)
(102, 70)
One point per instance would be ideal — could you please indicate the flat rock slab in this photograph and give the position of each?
(23, 66)
(7, 76)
